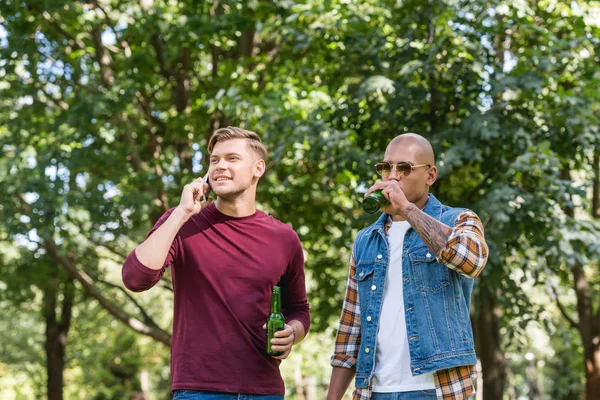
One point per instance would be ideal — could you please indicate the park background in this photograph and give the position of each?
(105, 111)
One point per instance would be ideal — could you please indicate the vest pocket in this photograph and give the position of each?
(429, 275)
(363, 270)
(364, 280)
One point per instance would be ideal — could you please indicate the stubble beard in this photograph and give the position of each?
(232, 195)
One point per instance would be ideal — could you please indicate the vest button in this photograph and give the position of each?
(379, 256)
(369, 318)
(373, 287)
(367, 350)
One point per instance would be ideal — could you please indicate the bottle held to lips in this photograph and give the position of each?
(374, 202)
(275, 321)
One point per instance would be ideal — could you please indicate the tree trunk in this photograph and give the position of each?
(55, 351)
(299, 381)
(596, 182)
(588, 324)
(590, 335)
(311, 388)
(593, 378)
(56, 336)
(487, 341)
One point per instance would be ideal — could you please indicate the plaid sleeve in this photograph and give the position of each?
(347, 341)
(466, 251)
(455, 383)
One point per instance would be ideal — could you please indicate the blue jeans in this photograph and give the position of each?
(414, 395)
(198, 395)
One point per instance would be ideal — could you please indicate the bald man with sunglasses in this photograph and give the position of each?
(405, 332)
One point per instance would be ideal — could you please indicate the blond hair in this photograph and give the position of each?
(232, 132)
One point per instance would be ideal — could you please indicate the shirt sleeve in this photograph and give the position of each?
(455, 383)
(136, 276)
(293, 288)
(347, 341)
(466, 251)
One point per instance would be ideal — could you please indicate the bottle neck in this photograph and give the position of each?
(275, 303)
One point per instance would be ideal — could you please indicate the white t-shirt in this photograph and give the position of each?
(392, 358)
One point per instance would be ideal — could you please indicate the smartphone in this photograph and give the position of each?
(205, 179)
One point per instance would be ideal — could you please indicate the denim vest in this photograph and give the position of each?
(437, 300)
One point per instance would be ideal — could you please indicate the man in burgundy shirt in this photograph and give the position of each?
(226, 257)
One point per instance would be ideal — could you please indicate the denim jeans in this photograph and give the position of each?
(414, 395)
(199, 395)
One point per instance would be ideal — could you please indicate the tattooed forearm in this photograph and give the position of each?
(434, 233)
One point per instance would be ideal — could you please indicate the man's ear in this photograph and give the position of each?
(259, 168)
(431, 175)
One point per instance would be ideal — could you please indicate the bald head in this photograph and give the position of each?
(417, 145)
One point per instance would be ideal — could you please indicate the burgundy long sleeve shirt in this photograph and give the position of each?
(223, 271)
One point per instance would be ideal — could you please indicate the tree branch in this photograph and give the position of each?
(181, 97)
(146, 318)
(143, 103)
(90, 239)
(56, 26)
(116, 252)
(134, 157)
(109, 21)
(164, 283)
(102, 57)
(156, 41)
(66, 313)
(88, 284)
(563, 311)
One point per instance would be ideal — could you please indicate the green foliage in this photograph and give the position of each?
(563, 380)
(104, 358)
(22, 358)
(106, 107)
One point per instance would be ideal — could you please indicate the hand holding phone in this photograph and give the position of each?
(194, 196)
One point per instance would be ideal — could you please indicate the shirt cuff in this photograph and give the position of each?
(343, 361)
(137, 264)
(447, 252)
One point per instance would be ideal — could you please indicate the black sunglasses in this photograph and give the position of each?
(404, 168)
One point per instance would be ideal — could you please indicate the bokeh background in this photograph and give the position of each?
(106, 107)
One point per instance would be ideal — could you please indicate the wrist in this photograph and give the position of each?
(407, 208)
(294, 335)
(181, 215)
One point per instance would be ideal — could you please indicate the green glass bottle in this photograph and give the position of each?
(275, 321)
(374, 202)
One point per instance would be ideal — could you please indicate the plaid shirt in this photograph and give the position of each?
(465, 253)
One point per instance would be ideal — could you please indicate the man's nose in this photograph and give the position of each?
(222, 164)
(395, 174)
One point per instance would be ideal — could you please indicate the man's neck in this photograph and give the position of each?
(237, 207)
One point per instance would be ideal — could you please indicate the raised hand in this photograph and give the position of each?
(193, 197)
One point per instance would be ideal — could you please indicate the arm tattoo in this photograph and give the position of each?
(434, 233)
